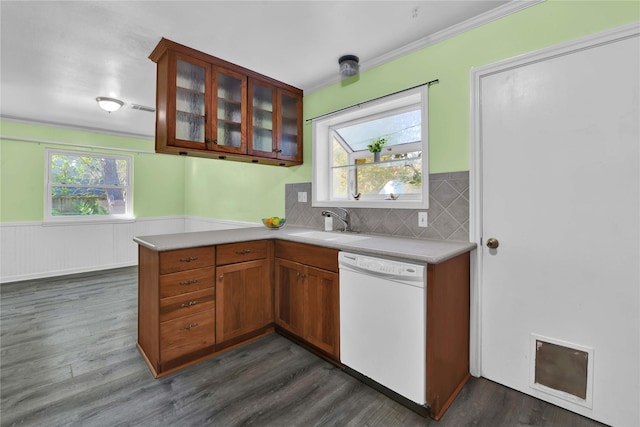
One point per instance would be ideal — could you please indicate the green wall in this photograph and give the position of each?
(238, 191)
(158, 180)
(450, 62)
(170, 185)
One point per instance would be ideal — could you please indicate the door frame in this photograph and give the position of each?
(476, 161)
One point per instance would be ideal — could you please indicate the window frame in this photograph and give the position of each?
(322, 135)
(49, 185)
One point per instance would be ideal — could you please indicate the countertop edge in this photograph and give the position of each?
(421, 250)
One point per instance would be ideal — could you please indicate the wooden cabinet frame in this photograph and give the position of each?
(244, 291)
(166, 54)
(307, 300)
(299, 296)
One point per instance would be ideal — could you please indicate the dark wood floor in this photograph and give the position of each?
(68, 357)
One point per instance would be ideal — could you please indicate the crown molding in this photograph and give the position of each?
(77, 127)
(499, 12)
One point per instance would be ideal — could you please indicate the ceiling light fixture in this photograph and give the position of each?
(348, 65)
(109, 104)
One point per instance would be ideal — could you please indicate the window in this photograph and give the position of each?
(347, 173)
(87, 185)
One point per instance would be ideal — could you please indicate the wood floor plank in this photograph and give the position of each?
(68, 357)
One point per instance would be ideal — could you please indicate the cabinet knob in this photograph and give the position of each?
(221, 277)
(189, 326)
(188, 304)
(492, 243)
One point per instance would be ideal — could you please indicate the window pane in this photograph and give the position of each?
(401, 128)
(399, 174)
(87, 201)
(81, 184)
(85, 170)
(348, 174)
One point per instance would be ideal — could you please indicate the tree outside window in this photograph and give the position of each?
(88, 185)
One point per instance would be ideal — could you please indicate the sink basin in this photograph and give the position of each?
(331, 237)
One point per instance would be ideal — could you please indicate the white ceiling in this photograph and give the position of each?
(58, 56)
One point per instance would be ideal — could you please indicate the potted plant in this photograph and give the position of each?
(376, 147)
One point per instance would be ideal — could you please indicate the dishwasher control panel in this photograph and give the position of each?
(380, 266)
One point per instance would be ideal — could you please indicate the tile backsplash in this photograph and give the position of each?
(448, 213)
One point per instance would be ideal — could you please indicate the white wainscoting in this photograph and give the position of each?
(193, 223)
(30, 250)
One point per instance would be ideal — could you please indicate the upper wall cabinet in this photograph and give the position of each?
(208, 107)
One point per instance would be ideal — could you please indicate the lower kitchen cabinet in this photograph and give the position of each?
(290, 296)
(244, 291)
(244, 299)
(176, 306)
(307, 297)
(322, 314)
(194, 303)
(191, 335)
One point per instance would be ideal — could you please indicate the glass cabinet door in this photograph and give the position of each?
(190, 107)
(231, 90)
(262, 119)
(290, 126)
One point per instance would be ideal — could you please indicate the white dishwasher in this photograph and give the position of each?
(383, 322)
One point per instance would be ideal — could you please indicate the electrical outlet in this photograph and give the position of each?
(422, 219)
(302, 196)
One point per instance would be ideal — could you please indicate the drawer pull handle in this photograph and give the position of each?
(189, 326)
(221, 277)
(189, 282)
(243, 251)
(191, 258)
(188, 304)
(300, 275)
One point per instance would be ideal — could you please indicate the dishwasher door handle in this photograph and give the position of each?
(381, 274)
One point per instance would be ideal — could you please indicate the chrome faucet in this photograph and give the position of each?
(343, 219)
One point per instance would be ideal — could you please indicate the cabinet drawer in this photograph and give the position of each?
(186, 259)
(186, 304)
(239, 252)
(187, 334)
(186, 281)
(315, 256)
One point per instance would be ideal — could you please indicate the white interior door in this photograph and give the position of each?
(559, 188)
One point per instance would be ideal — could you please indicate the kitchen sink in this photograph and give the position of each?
(331, 237)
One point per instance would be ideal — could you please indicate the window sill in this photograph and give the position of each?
(382, 204)
(87, 221)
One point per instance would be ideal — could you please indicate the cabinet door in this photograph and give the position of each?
(244, 299)
(188, 116)
(289, 126)
(229, 102)
(262, 116)
(322, 315)
(290, 296)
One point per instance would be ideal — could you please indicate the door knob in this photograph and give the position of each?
(492, 243)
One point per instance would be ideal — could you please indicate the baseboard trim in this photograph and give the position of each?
(65, 272)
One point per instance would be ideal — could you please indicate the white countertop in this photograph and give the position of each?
(429, 251)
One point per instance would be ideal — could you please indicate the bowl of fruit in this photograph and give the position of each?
(273, 222)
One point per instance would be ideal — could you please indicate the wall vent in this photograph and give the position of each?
(142, 108)
(562, 369)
